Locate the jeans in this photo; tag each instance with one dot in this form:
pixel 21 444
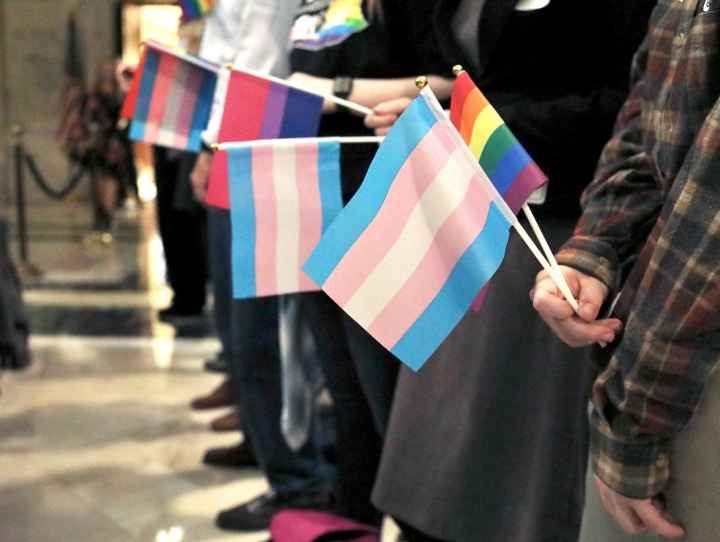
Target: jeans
pixel 256 369
pixel 341 349
pixel 251 327
pixel 219 243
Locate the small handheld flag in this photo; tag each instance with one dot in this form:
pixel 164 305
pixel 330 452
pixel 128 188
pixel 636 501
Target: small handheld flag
pixel 515 175
pixel 423 234
pixel 171 98
pixel 284 194
pixel 258 108
pixel 195 9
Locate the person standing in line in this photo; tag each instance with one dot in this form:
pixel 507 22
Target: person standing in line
pixel 488 441
pixel 369 67
pixel 254 34
pixel 650 231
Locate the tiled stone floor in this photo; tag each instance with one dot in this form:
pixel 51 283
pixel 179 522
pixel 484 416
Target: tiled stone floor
pixel 97 443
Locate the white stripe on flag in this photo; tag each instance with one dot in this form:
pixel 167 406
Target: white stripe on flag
pixel 287 257
pixel 438 203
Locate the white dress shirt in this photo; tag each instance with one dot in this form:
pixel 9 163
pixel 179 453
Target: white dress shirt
pixel 246 33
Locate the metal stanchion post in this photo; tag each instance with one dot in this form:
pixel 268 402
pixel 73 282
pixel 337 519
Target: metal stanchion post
pixel 26 268
pixel 17 133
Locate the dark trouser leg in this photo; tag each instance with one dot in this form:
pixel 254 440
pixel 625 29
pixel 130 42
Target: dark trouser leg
pixel 183 235
pixel 218 224
pixel 358 442
pixel 255 367
pixel 377 371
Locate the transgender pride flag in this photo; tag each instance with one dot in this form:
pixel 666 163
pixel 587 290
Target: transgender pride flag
pixel 284 194
pixel 423 234
pixel 259 108
pixel 170 103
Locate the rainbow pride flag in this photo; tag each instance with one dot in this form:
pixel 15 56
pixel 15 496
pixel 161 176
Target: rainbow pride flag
pixel 284 194
pixel 509 166
pixel 339 21
pixel 173 98
pixel 257 108
pixel 420 238
pixel 195 9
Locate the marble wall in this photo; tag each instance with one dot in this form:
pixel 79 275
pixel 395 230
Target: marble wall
pixel 32 36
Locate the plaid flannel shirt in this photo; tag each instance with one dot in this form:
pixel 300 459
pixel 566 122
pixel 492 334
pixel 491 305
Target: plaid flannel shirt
pixel 651 227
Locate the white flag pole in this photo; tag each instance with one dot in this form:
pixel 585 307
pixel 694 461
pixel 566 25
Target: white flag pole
pixel 347 104
pixel 288 141
pixel 564 286
pixel 500 202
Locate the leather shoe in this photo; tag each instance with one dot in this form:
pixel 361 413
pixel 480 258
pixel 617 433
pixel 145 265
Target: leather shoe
pixel 221 396
pixel 255 515
pixel 239 456
pixel 227 422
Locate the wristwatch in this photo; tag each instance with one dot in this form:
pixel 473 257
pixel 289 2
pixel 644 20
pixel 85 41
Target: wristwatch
pixel 342 87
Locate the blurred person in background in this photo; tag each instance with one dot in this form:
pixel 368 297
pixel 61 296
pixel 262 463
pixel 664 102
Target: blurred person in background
pixel 103 149
pixel 252 34
pixel 371 66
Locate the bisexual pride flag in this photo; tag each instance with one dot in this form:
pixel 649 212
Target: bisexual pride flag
pixel 195 9
pixel 284 194
pixel 171 97
pixel 423 234
pixel 259 108
pixel 506 162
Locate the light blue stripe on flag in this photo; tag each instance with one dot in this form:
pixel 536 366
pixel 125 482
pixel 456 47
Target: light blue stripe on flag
pixel 509 167
pixel 408 131
pixel 144 99
pixel 471 273
pixel 242 216
pixel 329 181
pixel 203 107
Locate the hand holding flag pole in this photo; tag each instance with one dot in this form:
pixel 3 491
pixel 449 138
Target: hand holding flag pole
pixel 493 145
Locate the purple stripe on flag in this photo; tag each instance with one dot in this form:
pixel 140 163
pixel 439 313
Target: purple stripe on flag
pixel 528 180
pixel 274 111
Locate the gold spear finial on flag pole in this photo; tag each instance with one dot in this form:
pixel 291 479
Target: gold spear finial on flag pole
pixel 122 124
pixel 421 82
pixel 457 69
pixel 229 66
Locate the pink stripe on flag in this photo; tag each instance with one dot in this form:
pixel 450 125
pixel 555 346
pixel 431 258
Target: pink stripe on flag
pixel 480 299
pixel 189 102
pixel 306 169
pixel 161 91
pixel 265 220
pixel 451 242
pixel 416 174
pixel 218 191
